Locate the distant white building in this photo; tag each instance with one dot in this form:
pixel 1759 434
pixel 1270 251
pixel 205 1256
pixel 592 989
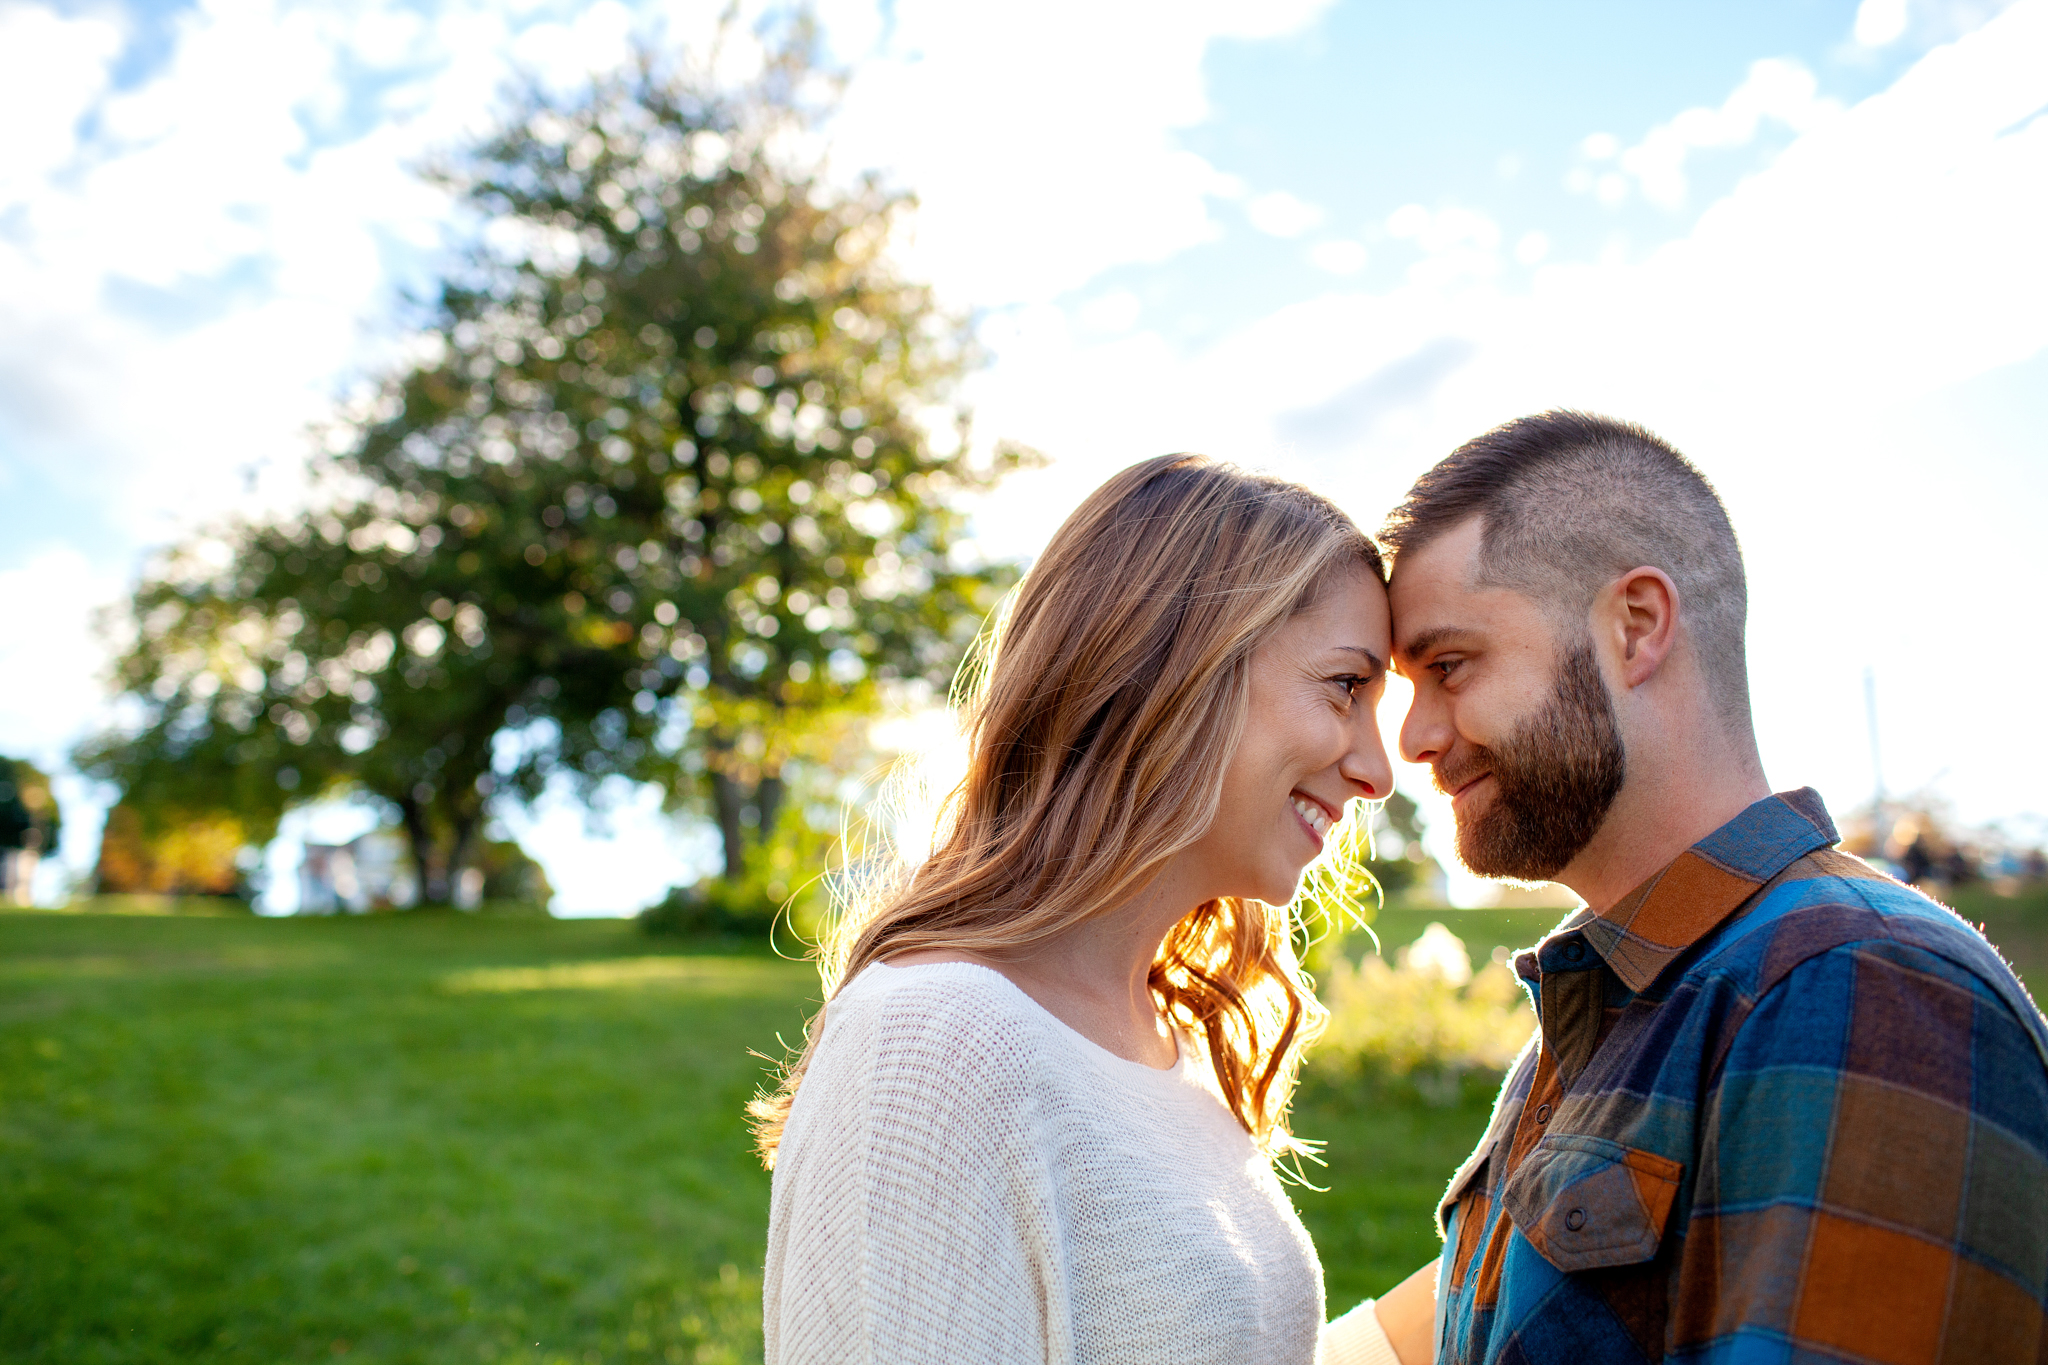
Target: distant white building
pixel 357 876
pixel 17 875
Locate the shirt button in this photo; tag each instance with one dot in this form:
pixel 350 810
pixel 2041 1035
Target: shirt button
pixel 1574 950
pixel 1542 1113
pixel 1575 1220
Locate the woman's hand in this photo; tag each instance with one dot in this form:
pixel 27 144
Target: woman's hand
pixel 1407 1314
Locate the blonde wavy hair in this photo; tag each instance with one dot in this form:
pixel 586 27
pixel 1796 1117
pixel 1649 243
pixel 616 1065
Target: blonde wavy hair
pixel 1101 708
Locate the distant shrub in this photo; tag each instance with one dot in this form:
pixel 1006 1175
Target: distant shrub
pixel 781 892
pixel 513 908
pixel 1429 1019
pixel 149 903
pixel 712 908
pixel 507 874
pixel 167 852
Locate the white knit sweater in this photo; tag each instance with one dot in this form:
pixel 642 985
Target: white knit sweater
pixel 965 1178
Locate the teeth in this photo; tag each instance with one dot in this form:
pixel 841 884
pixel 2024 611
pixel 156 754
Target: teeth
pixel 1312 813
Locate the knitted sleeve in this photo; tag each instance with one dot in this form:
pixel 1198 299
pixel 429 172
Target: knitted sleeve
pixel 915 1211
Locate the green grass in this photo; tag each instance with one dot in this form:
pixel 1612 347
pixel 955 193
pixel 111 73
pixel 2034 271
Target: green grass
pixel 399 1139
pixel 442 1138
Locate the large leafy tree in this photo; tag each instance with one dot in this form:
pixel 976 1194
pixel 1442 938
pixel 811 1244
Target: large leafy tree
pixel 672 491
pixel 29 815
pixel 30 822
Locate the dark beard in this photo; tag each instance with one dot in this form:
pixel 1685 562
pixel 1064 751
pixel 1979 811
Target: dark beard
pixel 1554 779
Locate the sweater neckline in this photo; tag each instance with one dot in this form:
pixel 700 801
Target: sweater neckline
pixel 1180 1046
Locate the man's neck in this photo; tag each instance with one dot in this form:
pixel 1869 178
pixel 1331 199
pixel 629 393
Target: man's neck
pixel 1663 810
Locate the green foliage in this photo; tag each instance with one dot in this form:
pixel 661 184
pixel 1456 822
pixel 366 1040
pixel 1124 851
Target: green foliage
pixel 1405 1021
pixel 1417 1015
pixel 1398 861
pixel 713 908
pixel 29 815
pixel 510 876
pixel 661 498
pixel 146 850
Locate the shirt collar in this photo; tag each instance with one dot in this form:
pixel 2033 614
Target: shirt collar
pixel 1702 886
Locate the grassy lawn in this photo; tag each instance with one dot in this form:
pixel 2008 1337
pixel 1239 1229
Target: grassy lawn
pixel 392 1139
pixel 463 1139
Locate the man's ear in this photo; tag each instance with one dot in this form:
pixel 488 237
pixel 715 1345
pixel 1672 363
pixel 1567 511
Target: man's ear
pixel 1638 617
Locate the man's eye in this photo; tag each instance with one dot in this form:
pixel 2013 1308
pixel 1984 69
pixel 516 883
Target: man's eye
pixel 1444 667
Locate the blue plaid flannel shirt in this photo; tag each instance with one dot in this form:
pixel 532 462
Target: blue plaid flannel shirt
pixel 1779 1108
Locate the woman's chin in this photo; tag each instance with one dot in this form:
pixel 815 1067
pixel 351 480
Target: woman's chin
pixel 1282 893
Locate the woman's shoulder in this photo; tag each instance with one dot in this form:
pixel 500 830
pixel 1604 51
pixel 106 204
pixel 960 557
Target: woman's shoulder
pixel 978 1028
pixel 953 1004
pixel 951 1043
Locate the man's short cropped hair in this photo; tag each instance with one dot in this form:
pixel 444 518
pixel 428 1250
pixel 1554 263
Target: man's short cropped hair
pixel 1570 501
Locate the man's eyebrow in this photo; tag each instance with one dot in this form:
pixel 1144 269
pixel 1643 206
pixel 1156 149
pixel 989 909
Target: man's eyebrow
pixel 1424 641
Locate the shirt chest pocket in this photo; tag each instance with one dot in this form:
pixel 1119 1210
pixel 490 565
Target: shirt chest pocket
pixel 1588 1202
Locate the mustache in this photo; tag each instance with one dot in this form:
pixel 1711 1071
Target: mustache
pixel 1460 768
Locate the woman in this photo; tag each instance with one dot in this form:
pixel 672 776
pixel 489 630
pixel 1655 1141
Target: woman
pixel 1036 1119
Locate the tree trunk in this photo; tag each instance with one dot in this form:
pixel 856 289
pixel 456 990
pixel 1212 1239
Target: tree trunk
pixel 728 800
pixel 464 850
pixel 433 889
pixel 768 801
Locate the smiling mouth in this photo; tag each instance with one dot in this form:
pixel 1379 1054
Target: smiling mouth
pixel 1313 815
pixel 1465 789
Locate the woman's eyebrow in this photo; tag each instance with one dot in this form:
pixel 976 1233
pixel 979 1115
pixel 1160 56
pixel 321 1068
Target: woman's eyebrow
pixel 1379 665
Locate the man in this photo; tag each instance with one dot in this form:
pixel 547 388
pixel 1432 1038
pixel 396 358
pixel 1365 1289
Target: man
pixel 1779 1107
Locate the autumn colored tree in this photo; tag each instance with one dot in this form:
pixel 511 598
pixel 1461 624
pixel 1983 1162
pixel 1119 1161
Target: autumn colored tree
pixel 160 852
pixel 672 490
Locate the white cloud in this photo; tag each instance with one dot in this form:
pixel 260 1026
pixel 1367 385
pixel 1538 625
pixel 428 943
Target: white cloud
pixel 1879 23
pixel 1599 146
pixel 1043 141
pixel 1532 247
pixel 1775 90
pixel 1338 257
pixel 1458 244
pixel 52 69
pixel 1283 215
pixel 49 654
pixel 1116 311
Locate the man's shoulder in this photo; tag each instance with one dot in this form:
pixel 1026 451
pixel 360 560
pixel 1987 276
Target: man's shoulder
pixel 1828 902
pixel 1829 910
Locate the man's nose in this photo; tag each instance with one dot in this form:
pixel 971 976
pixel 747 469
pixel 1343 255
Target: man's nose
pixel 1425 730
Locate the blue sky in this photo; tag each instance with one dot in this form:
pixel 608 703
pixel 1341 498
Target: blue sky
pixel 1333 239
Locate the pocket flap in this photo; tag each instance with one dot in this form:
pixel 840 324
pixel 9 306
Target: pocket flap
pixel 1586 1202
